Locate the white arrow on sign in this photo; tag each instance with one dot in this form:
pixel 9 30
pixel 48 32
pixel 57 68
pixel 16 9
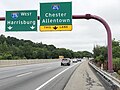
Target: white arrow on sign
pixel 9 27
pixel 32 27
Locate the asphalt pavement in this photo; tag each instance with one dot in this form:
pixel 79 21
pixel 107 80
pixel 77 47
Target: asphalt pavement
pixel 50 76
pixel 44 76
pixel 84 79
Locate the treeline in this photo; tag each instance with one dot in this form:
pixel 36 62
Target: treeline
pixel 100 54
pixel 13 48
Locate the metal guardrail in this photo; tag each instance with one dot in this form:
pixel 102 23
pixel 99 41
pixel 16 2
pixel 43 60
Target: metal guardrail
pixel 107 76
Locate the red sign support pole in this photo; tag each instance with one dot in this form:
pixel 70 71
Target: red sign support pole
pixel 2 18
pixel 109 35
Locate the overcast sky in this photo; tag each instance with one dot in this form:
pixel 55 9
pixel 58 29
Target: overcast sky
pixel 85 33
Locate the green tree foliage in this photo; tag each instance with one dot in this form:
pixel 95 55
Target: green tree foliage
pixel 7 56
pixel 100 54
pixel 116 64
pixel 116 55
pixel 13 48
pixel 2 39
pixel 116 49
pixel 81 54
pixel 87 54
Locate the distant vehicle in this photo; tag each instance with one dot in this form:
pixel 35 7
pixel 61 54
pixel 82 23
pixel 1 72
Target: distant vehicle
pixel 74 60
pixel 65 61
pixel 61 57
pixel 79 59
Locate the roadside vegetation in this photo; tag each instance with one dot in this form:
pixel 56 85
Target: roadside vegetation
pixel 13 48
pixel 100 55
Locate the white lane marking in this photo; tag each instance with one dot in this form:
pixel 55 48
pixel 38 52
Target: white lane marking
pixel 32 72
pixel 23 74
pixel 42 68
pixel 53 77
pixel 48 67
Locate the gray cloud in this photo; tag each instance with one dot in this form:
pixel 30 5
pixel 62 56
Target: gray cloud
pixel 85 33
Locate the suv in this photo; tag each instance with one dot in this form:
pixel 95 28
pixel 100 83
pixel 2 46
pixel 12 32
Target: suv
pixel 65 61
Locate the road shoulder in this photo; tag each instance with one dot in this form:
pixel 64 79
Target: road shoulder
pixel 84 79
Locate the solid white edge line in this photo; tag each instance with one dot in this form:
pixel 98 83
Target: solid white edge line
pixel 54 77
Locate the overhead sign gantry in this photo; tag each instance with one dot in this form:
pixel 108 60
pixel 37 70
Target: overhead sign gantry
pixel 52 20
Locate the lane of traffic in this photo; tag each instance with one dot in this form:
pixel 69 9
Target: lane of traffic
pixel 59 81
pixel 30 80
pixel 17 70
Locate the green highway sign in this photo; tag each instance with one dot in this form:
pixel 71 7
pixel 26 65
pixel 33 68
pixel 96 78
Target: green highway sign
pixel 56 16
pixel 24 20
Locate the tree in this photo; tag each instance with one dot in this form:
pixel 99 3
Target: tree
pixel 13 48
pixel 116 49
pixel 7 56
pixel 115 43
pixel 96 51
pixel 100 54
pixel 86 54
pixel 2 39
pixel 77 55
pixel 40 53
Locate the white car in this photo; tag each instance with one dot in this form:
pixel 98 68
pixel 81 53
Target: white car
pixel 65 61
pixel 74 61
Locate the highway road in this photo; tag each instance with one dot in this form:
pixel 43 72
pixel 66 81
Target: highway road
pixel 44 76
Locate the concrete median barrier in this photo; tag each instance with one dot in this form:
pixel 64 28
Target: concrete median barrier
pixel 5 63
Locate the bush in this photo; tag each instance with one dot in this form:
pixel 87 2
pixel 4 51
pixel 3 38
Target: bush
pixel 116 64
pixel 100 58
pixel 1 57
pixel 7 56
pixel 118 72
pixel 16 57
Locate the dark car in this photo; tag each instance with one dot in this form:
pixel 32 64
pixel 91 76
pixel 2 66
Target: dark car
pixel 79 59
pixel 65 61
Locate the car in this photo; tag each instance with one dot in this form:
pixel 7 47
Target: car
pixel 74 60
pixel 65 61
pixel 79 59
